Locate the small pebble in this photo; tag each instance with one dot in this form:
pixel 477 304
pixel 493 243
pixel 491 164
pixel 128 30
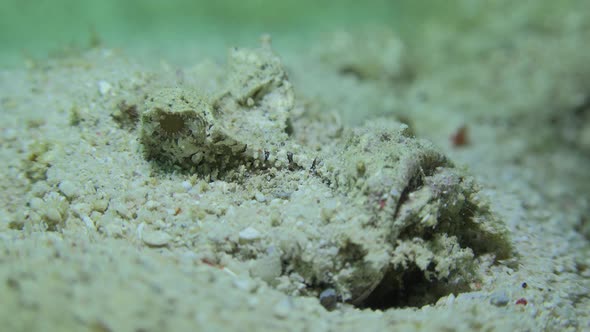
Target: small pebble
pixel 249 234
pixel 187 185
pixel 259 197
pixel 36 203
pixel 53 215
pixel 100 205
pixel 68 189
pixel 104 87
pixel 283 308
pixel 329 299
pixel 450 299
pixel 329 210
pixel 155 238
pixel 499 299
pixel 244 284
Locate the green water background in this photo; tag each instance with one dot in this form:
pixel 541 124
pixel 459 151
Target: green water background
pixel 185 30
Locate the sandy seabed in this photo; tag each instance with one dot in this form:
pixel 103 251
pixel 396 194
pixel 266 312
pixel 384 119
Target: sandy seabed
pixel 96 234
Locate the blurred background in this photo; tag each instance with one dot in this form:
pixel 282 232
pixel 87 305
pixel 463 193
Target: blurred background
pixel 182 30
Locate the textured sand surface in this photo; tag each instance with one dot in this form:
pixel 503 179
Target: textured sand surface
pixel 279 219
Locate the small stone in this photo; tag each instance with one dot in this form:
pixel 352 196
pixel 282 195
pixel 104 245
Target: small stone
pixel 68 189
pixel 244 284
pixel 450 299
pixel 36 203
pixel 151 204
pixel 361 168
pixel 100 205
pixel 283 308
pixel 53 215
pixel 267 267
pixel 187 185
pixel 259 197
pixel 499 298
pixel 329 299
pixel 329 210
pixel 104 87
pixel 249 234
pixel 155 238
